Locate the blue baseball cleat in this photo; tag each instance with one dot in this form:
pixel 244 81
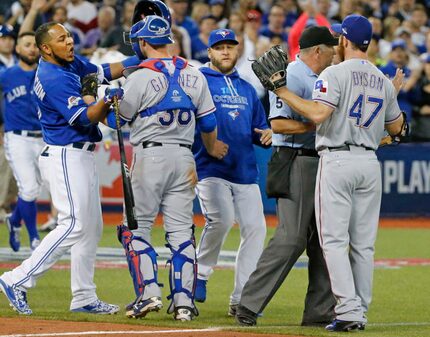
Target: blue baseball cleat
pixel 17 298
pixel 344 326
pixel 14 235
pixel 142 307
pixel 200 293
pixel 98 307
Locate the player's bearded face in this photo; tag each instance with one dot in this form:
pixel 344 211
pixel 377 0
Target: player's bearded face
pixel 224 56
pixel 27 50
pixel 61 45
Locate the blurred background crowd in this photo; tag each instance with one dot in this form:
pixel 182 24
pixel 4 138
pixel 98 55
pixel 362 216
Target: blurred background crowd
pixel 401 34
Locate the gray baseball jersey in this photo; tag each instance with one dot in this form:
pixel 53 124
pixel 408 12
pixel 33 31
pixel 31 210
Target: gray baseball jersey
pixel 364 100
pixel 144 88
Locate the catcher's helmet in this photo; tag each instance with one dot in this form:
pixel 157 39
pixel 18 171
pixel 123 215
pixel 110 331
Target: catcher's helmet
pixel 6 30
pixel 153 29
pixel 151 7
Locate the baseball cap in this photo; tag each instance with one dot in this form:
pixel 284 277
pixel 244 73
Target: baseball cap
pixel 398 43
pixel 153 29
pixel 221 35
pixel 6 30
pixel 313 36
pixel 356 28
pixel 216 2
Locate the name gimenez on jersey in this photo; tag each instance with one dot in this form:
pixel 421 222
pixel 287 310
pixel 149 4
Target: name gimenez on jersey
pixel 185 80
pixel 361 78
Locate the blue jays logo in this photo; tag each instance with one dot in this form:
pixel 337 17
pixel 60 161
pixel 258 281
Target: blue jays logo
pixel 321 86
pixel 224 33
pixel 233 114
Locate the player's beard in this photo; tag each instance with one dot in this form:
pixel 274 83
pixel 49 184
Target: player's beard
pixel 30 61
pixel 225 69
pixel 60 60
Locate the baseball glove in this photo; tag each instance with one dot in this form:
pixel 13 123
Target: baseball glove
pixel 89 85
pixel 271 68
pixel 404 132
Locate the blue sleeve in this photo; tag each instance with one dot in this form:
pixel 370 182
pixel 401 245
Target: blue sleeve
pixel 83 66
pixel 207 123
pixel 65 96
pixel 111 120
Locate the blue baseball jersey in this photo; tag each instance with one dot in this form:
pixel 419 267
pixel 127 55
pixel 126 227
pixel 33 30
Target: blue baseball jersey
pixel 238 112
pixel 20 106
pixel 58 91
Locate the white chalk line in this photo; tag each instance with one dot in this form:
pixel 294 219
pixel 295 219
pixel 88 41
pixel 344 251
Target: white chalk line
pixel 128 332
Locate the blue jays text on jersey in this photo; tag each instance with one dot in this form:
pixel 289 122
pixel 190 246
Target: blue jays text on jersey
pixel 20 107
pixel 238 112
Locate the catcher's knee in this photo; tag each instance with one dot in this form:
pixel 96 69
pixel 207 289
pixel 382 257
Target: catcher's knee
pixel 183 271
pixel 141 259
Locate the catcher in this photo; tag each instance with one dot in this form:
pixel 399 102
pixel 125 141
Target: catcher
pixel 352 104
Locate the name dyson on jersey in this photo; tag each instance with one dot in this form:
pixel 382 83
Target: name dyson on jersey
pixel 361 78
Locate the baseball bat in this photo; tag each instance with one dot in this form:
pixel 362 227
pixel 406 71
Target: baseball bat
pixel 125 172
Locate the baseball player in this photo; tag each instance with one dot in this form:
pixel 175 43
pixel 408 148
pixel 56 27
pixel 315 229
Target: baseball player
pixel 227 189
pixel 294 146
pixel 69 128
pixel 164 98
pixel 23 138
pixel 352 103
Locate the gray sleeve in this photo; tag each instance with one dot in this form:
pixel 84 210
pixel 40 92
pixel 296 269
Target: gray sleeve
pixel 393 111
pixel 133 95
pixel 327 88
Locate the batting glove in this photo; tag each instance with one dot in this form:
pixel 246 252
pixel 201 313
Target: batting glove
pixel 112 93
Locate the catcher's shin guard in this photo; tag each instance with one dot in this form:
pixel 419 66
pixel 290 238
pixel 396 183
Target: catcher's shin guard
pixel 141 259
pixel 183 265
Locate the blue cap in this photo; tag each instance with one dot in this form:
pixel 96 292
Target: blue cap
pixel 153 29
pixel 6 30
pixel 398 43
pixel 356 28
pixel 216 2
pixel 222 35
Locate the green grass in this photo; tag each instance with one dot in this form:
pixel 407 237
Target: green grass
pixel 400 295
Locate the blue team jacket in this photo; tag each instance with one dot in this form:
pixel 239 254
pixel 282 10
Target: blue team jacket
pixel 238 112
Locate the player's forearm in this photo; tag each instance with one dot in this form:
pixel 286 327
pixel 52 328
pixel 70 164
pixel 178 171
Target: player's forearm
pixel 395 127
pixel 117 68
pixel 209 139
pixel 290 126
pixel 28 23
pixel 97 112
pixel 309 109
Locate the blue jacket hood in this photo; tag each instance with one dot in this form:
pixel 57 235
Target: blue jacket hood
pixel 205 69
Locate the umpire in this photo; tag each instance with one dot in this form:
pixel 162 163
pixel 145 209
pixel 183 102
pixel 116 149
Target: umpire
pixel 292 174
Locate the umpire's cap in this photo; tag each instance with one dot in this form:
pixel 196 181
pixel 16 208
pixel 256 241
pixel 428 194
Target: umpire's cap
pixel 356 28
pixel 6 30
pixel 153 29
pixel 151 7
pixel 316 35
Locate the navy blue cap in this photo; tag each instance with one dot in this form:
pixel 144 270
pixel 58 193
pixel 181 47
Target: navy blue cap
pixel 356 28
pixel 398 43
pixel 222 35
pixel 6 30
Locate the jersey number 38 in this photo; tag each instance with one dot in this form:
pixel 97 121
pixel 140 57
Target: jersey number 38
pixel 183 117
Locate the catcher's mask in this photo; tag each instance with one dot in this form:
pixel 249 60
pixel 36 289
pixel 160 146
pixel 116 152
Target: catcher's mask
pixel 153 29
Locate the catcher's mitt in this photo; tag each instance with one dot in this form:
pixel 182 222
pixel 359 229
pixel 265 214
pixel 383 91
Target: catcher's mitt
pixel 89 85
pixel 271 68
pixel 404 132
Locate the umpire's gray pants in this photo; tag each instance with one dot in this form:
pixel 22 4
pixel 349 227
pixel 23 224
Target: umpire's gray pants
pixel 296 232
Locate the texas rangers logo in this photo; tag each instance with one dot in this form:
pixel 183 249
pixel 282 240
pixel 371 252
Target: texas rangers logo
pixel 233 114
pixel 321 86
pixel 72 101
pixel 176 97
pixel 223 33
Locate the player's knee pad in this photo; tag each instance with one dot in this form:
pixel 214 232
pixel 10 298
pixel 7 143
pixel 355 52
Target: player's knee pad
pixel 141 259
pixel 183 271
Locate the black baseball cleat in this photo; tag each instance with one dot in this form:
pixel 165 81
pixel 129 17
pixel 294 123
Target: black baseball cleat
pixel 245 317
pixel 344 326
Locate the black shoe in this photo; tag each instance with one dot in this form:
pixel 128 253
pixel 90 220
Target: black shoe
pixel 345 326
pixel 245 317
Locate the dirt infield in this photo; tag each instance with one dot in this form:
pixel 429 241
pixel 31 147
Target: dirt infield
pixel 115 219
pixel 24 326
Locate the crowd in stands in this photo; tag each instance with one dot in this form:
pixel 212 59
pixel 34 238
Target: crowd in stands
pixel 401 34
